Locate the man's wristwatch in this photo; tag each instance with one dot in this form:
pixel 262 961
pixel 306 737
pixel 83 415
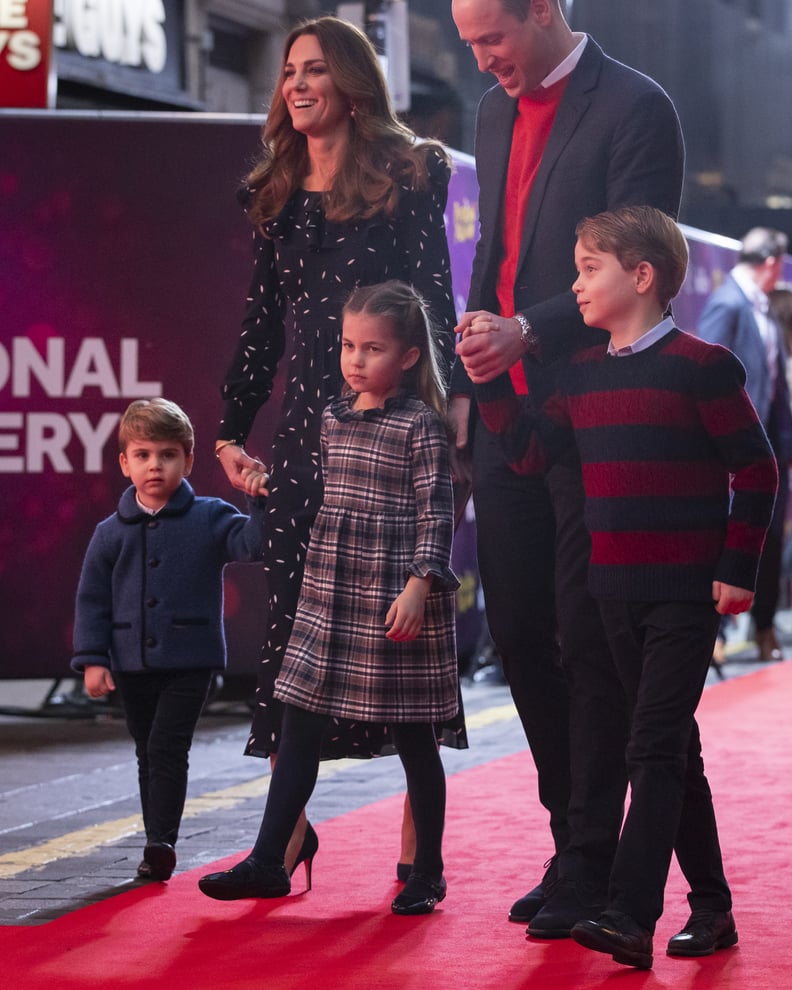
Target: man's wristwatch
pixel 527 335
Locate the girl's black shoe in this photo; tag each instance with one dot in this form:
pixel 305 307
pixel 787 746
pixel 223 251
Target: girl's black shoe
pixel 403 871
pixel 246 879
pixel 420 895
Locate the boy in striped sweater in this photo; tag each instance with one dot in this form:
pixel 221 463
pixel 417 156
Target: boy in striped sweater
pixel 680 482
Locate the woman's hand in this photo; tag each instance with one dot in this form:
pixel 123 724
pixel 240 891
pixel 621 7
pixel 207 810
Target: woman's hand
pixel 246 473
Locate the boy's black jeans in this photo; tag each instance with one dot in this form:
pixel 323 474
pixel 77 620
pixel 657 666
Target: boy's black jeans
pixel 162 709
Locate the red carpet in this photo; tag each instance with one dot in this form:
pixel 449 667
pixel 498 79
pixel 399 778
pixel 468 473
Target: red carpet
pixel 342 935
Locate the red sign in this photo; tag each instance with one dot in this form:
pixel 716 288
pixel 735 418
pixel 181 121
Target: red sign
pixel 25 53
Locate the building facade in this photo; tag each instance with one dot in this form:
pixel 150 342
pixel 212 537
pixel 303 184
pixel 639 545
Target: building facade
pixel 725 64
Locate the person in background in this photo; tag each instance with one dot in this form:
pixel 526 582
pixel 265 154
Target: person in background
pixel 342 195
pixel 149 611
pixel 680 481
pixel 737 314
pixel 374 636
pixel 566 133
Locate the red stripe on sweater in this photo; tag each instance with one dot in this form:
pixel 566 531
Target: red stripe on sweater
pixel 609 479
pixel 641 547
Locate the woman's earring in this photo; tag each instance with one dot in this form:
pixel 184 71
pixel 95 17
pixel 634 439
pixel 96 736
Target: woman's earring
pixel 352 109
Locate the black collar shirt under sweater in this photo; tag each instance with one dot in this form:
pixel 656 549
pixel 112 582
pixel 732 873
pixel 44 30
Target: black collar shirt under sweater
pixel 679 477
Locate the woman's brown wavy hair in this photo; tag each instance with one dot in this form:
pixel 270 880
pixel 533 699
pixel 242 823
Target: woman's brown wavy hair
pixel 382 153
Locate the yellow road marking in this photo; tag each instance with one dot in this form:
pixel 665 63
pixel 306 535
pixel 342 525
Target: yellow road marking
pixel 84 840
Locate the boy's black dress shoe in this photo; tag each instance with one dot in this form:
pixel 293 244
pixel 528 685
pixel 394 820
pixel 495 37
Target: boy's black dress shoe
pixel 704 932
pixel 569 901
pixel 160 860
pixel 619 935
pixel 524 909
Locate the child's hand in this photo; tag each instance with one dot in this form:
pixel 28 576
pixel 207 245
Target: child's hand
pixel 244 472
pixel 730 600
pixel 98 681
pixel 255 478
pixel 405 616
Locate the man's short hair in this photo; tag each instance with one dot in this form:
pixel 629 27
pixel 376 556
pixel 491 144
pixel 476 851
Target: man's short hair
pixel 761 243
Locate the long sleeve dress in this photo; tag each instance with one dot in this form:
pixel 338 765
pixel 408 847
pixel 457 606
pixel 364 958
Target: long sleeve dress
pixel 387 514
pixel 305 268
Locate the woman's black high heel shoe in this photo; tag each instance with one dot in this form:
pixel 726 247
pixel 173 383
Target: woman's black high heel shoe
pixel 306 854
pixel 420 895
pixel 246 879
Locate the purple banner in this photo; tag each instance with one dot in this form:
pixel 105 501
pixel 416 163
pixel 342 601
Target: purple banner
pixel 124 263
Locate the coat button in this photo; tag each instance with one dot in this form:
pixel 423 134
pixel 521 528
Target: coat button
pixel 151 642
pixel 151 602
pixel 153 523
pixel 153 562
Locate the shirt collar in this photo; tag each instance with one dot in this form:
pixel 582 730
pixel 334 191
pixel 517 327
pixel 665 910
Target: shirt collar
pixel 564 68
pixel 644 341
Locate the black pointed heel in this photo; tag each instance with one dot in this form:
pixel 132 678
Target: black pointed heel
pixel 420 895
pixel 246 879
pixel 306 854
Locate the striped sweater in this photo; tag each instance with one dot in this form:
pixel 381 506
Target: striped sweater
pixel 679 477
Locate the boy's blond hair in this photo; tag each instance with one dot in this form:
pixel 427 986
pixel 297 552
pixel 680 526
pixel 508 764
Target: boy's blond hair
pixel 155 419
pixel 641 233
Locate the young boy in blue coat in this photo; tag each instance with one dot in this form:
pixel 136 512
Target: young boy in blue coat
pixel 149 611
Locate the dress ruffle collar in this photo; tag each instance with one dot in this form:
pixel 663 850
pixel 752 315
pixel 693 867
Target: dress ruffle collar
pixel 342 407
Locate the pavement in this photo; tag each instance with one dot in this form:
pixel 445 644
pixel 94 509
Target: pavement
pixel 70 827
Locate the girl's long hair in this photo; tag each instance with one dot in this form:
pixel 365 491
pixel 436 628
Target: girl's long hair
pixel 410 323
pixel 381 155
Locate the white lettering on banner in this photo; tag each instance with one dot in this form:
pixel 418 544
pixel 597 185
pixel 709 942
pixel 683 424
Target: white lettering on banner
pixel 92 368
pixel 20 47
pixel 44 437
pixel 30 441
pixel 125 32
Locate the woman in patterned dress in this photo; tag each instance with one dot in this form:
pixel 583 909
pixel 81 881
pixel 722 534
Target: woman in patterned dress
pixel 342 195
pixel 374 634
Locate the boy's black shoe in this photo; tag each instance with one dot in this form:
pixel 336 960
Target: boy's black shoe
pixel 160 857
pixel 619 935
pixel 704 932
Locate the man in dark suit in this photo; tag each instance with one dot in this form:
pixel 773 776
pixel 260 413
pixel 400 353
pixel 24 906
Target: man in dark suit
pixel 567 133
pixel 737 315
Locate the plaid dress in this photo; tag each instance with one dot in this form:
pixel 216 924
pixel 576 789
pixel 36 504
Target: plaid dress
pixel 387 513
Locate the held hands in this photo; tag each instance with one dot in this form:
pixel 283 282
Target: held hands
pixel 730 600
pixel 244 472
pixel 98 681
pixel 490 345
pixel 405 616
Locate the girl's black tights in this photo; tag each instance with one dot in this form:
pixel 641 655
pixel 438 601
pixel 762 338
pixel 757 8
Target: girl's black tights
pixel 297 767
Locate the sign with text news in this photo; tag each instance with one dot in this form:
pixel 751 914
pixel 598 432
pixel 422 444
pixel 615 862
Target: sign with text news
pixel 26 76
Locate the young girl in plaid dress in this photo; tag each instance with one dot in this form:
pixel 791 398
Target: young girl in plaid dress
pixel 374 635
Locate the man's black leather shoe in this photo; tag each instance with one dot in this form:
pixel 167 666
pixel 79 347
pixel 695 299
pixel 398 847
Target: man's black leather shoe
pixel 619 935
pixel 524 909
pixel 160 857
pixel 704 932
pixel 568 903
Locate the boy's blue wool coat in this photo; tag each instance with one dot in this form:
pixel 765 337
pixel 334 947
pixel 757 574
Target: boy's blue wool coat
pixel 150 595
